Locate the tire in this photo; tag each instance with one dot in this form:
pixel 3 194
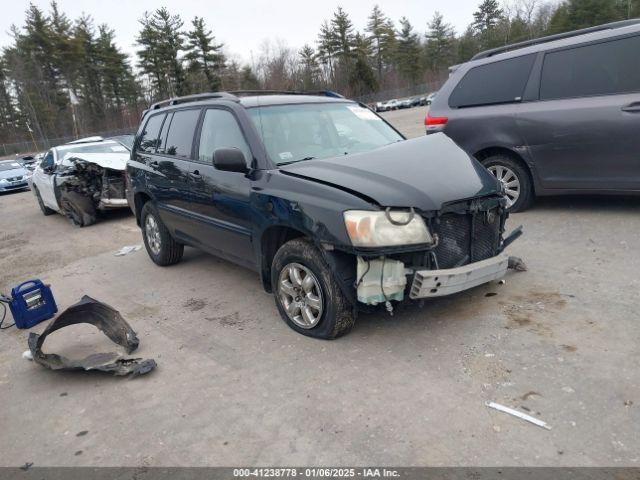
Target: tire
pixel 160 245
pixel 510 170
pixel 336 315
pixel 46 211
pixel 78 208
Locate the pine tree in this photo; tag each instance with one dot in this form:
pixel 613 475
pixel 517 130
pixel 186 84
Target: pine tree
pixel 310 70
pixel 408 52
pixel 363 79
pixel 382 35
pixel 205 57
pixel 162 42
pixel 485 23
pixel 439 49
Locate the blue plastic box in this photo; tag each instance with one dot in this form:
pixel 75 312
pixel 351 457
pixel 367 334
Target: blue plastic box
pixel 31 303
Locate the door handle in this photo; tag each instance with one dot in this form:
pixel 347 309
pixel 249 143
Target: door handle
pixel 196 173
pixel 632 108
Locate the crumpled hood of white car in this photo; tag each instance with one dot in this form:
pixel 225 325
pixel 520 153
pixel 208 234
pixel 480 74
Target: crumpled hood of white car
pixel 111 160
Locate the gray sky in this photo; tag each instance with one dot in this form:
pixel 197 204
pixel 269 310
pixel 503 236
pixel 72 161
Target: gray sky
pixel 243 25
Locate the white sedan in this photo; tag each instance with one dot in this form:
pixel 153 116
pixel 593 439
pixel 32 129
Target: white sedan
pixel 80 178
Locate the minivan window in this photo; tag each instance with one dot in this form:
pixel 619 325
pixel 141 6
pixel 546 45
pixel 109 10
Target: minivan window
pixel 181 132
pixel 220 130
pixel 600 69
pixel 493 83
pixel 149 136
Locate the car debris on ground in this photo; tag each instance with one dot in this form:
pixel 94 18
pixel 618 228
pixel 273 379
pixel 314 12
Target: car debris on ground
pixel 106 319
pixel 127 249
pixel 516 413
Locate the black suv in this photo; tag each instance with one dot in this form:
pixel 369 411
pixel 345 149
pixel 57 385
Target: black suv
pixel 555 115
pixel 327 201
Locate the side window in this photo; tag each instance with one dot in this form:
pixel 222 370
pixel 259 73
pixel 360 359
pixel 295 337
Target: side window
pixel 600 69
pixel 181 132
pixel 493 83
pixel 219 130
pixel 47 161
pixel 149 137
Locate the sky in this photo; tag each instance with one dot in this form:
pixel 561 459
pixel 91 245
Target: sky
pixel 243 25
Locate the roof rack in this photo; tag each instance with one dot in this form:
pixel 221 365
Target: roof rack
pixel 192 98
pixel 323 93
pixel 558 36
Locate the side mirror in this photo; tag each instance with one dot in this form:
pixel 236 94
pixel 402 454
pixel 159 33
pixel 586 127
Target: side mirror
pixel 230 160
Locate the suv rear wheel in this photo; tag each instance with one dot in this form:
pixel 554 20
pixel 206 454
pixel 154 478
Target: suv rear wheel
pixel 160 245
pixel 516 181
pixel 308 298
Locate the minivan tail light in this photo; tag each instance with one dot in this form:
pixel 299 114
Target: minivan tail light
pixel 430 121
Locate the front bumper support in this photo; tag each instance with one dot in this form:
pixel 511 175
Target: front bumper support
pixel 437 283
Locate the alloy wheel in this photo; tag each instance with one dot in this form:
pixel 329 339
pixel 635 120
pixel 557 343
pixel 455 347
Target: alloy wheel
pixel 301 295
pixel 509 180
pixel 152 231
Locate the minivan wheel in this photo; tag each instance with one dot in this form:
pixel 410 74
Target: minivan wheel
pixel 160 245
pixel 46 211
pixel 308 297
pixel 515 179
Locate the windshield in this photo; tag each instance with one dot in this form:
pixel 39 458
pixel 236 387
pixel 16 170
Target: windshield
pixel 292 133
pixel 4 166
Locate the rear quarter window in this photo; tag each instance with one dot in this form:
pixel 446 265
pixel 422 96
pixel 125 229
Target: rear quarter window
pixel 498 82
pixel 600 69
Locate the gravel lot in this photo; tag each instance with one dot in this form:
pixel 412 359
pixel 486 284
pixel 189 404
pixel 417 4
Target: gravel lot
pixel 236 386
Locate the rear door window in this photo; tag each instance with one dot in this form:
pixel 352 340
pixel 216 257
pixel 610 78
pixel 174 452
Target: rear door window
pixel 220 130
pixel 181 132
pixel 149 138
pixel 600 69
pixel 493 83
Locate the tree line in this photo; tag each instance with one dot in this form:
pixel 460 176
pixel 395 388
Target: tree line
pixel 62 76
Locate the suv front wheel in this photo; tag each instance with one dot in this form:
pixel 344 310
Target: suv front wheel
pixel 308 297
pixel 515 179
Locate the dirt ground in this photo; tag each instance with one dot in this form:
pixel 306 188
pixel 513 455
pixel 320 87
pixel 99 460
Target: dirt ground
pixel 235 386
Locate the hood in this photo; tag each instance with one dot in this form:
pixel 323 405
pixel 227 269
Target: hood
pixel 423 173
pixel 18 171
pixel 111 160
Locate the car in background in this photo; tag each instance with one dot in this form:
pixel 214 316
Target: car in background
pixel 405 103
pixel 555 115
pixel 380 107
pixel 28 162
pixel 81 178
pixel 393 104
pixel 429 98
pixel 415 101
pixel 328 202
pixel 13 176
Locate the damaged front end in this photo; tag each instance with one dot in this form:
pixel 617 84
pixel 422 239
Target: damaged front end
pixel 83 188
pixel 466 250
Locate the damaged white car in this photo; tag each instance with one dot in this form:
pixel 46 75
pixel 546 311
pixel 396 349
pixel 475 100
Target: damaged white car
pixel 80 179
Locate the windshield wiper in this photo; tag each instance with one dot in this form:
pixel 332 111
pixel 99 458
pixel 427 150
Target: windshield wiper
pixel 296 161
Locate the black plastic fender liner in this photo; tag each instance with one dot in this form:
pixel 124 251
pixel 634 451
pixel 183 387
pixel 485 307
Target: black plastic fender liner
pixel 111 323
pixel 78 208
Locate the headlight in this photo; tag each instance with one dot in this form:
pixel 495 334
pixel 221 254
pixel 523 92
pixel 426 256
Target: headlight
pixel 385 229
pixel 4 180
